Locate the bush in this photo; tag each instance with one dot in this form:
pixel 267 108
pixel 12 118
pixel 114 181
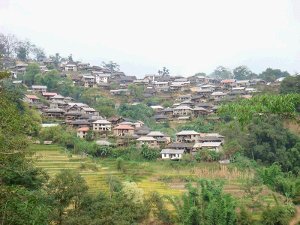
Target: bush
pixel 88 166
pixel 188 159
pixel 206 155
pixel 120 164
pixel 150 154
pixel 98 150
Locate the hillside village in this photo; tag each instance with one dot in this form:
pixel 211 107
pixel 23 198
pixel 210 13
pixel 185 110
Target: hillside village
pixel 192 97
pixel 126 148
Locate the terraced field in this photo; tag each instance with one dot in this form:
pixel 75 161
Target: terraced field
pixel 53 158
pixel 150 176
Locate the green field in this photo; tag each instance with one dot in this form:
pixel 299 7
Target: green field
pixel 158 176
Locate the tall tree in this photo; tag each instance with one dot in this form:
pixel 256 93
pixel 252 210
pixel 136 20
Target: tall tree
pixel 8 44
pixel 270 75
pixel 205 204
pixel 39 54
pixel 164 72
pixel 70 58
pixel 222 72
pixel 200 74
pixel 290 84
pixel 112 66
pixel 66 188
pixel 243 73
pixel 31 71
pixel 51 79
pixel 24 49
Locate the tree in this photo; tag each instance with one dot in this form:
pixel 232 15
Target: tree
pixel 112 66
pixel 105 106
pixel 278 214
pixel 205 204
pixel 270 75
pixel 22 54
pixel 131 191
pixel 137 91
pixel 70 58
pixel 290 84
pixel 21 206
pixel 66 188
pixel 200 75
pixel 148 153
pixel 243 73
pixel 136 112
pixel 222 72
pixel 51 79
pixel 39 54
pixel 8 44
pixel 66 88
pixel 20 180
pixel 262 106
pixel 198 125
pixel 31 71
pixel 164 72
pixel 24 49
pixel 56 59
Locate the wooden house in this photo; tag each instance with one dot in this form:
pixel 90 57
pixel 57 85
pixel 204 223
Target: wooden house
pixel 123 130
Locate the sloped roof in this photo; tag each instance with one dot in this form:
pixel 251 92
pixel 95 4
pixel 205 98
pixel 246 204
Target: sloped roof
pixel 211 144
pixel 80 122
pixel 146 138
pixel 57 97
pixel 83 129
pixel 210 138
pixel 102 122
pixel 55 110
pixel 179 145
pixel 123 127
pixel 187 132
pixel 183 107
pixel 32 96
pixel 199 109
pixel 49 94
pixel 156 133
pixel 228 81
pixel 172 151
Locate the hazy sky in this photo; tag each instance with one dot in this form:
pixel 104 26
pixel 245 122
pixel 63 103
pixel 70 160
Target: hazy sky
pixel 143 36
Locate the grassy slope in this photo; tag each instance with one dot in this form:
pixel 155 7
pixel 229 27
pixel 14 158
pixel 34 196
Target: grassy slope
pixel 148 175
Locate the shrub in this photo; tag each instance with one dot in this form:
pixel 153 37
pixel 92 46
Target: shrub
pixel 188 159
pixel 120 164
pixel 150 153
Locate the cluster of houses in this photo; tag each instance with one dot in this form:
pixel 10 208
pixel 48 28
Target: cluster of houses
pixel 193 96
pixel 84 119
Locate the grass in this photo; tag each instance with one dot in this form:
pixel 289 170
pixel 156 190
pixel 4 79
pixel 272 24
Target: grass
pixel 167 178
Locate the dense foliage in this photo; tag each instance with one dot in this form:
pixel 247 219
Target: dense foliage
pixel 205 204
pixel 262 106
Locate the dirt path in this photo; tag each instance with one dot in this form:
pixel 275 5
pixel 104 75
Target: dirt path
pixel 296 218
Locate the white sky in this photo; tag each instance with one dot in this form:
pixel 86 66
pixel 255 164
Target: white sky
pixel 143 36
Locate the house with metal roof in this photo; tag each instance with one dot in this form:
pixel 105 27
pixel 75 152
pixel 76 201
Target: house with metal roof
pixel 173 154
pixel 187 136
pixel 101 125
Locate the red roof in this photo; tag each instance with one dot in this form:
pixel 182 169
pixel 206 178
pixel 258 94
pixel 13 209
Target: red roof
pixel 123 127
pixel 32 97
pixel 83 129
pixel 49 94
pixel 228 81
